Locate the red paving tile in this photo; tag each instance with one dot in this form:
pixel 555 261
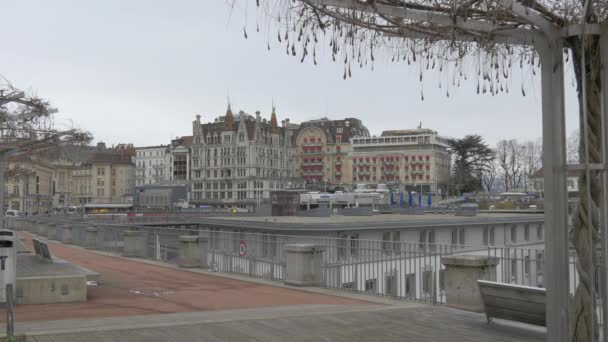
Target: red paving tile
pixel 134 288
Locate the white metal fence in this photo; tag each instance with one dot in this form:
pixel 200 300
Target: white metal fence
pixel 393 268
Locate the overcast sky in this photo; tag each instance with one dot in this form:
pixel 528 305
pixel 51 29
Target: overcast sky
pixel 139 71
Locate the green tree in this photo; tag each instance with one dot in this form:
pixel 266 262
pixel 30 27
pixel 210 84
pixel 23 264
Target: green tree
pixel 472 157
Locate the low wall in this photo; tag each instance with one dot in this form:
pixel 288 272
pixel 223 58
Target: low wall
pixel 51 289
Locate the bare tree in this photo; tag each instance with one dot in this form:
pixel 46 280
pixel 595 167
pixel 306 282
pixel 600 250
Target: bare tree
pixel 574 147
pixel 532 160
pixel 489 175
pixel 27 127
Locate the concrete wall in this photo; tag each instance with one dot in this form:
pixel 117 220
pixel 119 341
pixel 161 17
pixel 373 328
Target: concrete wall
pixel 44 290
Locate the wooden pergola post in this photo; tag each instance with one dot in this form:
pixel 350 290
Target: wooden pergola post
pixel 556 193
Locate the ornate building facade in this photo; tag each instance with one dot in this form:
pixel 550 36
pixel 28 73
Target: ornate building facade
pixel 321 149
pixel 237 160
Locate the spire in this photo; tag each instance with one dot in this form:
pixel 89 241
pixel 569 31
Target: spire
pixel 229 121
pixel 273 120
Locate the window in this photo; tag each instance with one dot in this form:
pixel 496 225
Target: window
pixel 427 282
pixel 539 268
pixel 539 231
pixel 410 285
pixel 341 244
pixel 461 237
pixel 513 233
pixel 386 242
pixel 390 284
pixel 370 285
pixel 486 237
pixel 458 238
pixel 354 245
pixel 423 240
pixel 396 241
pixel 514 270
pixel 527 232
pixel 269 246
pixel 527 265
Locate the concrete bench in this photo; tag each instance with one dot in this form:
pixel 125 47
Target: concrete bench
pixel 518 303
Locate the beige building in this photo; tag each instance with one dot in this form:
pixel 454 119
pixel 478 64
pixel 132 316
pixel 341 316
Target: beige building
pixel 321 149
pixel 415 159
pixel 28 186
pixel 108 177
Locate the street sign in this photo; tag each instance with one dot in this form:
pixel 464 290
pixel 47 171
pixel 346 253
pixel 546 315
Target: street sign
pixel 242 248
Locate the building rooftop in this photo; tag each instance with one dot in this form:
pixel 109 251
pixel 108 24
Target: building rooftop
pixel 385 221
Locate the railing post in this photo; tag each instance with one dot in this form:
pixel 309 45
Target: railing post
pixel 192 251
pixel 462 273
pixel 302 265
pixel 135 244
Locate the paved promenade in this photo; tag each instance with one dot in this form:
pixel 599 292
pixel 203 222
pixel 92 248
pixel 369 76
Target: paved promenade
pixel 134 288
pixel 139 301
pixel 297 324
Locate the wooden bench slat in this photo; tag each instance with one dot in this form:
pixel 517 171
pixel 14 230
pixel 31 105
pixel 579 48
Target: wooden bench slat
pixel 515 305
pixel 514 302
pixel 518 316
pixel 515 293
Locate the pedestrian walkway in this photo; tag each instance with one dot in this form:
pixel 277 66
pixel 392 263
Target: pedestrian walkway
pixel 422 323
pixel 134 288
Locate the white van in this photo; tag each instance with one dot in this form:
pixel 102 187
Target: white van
pixel 12 213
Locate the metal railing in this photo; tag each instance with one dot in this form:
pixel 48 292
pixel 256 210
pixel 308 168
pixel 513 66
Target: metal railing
pixel 391 268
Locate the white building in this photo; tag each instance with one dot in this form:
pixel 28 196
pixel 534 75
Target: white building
pixel 151 165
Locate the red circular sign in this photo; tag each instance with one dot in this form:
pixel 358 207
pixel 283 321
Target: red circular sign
pixel 242 248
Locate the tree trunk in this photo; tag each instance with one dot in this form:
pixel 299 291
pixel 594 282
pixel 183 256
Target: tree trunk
pixel 586 227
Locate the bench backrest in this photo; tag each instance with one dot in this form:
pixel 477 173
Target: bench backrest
pixel 42 250
pixel 514 302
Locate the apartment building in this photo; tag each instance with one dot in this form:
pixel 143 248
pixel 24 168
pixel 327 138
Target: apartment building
pixel 417 159
pixel 321 149
pixel 151 165
pixel 107 177
pixel 236 160
pixel 29 186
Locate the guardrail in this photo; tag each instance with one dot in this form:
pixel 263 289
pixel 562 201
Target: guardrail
pixel 396 269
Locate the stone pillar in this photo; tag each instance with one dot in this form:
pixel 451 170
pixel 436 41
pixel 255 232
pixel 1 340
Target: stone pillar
pixel 50 230
pixel 41 228
pixel 67 236
pixel 303 265
pixel 192 251
pixel 135 244
pixel 58 232
pixel 31 226
pixel 461 275
pixel 90 238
